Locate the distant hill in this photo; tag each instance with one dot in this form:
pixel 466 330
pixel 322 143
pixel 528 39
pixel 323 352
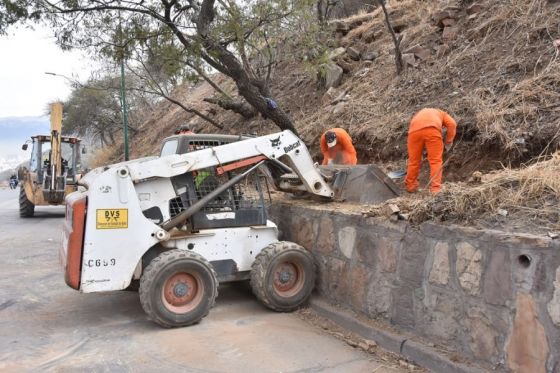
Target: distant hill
pixel 14 131
pixel 20 128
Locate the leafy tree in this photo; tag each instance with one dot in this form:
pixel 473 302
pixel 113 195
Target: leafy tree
pixel 227 36
pixel 94 111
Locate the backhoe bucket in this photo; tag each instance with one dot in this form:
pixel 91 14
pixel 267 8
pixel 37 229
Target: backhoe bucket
pixel 365 184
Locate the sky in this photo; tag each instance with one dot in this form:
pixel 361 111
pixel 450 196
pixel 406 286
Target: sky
pixel 25 89
pixel 25 56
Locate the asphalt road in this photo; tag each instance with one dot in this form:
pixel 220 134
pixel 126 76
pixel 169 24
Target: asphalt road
pixel 46 326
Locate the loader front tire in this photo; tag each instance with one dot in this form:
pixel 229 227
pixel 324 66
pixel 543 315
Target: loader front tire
pixel 283 276
pixel 26 207
pixel 178 288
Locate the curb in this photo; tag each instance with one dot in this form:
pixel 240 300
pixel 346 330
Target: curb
pixel 422 355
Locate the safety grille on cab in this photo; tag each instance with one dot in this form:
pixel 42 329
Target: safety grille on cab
pixel 175 206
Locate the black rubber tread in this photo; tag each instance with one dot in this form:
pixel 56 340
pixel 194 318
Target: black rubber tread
pixel 154 309
pixel 260 276
pixel 26 207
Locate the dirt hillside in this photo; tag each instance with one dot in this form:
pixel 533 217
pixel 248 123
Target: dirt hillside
pixel 492 64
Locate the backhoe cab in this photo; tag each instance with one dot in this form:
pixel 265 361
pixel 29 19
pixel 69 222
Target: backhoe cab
pixel 53 170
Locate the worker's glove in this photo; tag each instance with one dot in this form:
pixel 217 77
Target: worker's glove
pixel 448 147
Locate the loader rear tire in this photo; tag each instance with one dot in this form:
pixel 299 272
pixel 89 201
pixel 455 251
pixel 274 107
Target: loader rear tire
pixel 26 207
pixel 178 288
pixel 283 276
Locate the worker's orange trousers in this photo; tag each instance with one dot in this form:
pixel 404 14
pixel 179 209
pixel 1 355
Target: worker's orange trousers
pixel 431 139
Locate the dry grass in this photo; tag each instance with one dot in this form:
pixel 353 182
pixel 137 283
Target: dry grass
pixel 529 195
pixel 106 155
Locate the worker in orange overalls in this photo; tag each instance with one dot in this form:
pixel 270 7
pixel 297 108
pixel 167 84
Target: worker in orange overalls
pixel 337 148
pixel 425 131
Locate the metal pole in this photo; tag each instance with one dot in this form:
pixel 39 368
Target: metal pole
pixel 124 111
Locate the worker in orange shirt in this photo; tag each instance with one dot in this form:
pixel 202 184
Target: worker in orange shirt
pixel 337 148
pixel 425 131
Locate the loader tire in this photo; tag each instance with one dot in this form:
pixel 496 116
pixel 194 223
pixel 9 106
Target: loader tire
pixel 178 288
pixel 283 276
pixel 26 207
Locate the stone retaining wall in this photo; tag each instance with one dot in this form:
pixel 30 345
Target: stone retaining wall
pixel 491 296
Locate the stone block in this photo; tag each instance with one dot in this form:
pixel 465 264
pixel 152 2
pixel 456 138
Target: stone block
pixel 345 65
pixel 448 22
pixel 497 280
pixel 441 321
pixel 450 33
pixel 412 258
pixel 335 53
pixel 439 274
pixel 469 267
pixel 359 279
pixel 474 8
pixel 332 75
pixel 553 306
pixel 419 51
pixel 402 307
pixel 387 254
pixel 346 241
pixel 441 15
pixel 353 53
pixel 409 59
pixel 370 55
pixel 527 348
pixel 326 239
pixel 365 247
pixel 482 336
pixel 378 297
pixel 338 280
pixel 304 232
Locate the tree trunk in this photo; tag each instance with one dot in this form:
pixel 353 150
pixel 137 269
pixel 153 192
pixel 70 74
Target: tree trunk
pixel 396 41
pixel 218 56
pixel 247 111
pixel 254 91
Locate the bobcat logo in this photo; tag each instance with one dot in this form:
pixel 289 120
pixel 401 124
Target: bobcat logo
pixel 275 142
pixel 289 148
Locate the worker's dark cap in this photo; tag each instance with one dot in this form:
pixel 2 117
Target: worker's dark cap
pixel 330 136
pixel 182 128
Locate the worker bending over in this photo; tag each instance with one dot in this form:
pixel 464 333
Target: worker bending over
pixel 337 148
pixel 425 131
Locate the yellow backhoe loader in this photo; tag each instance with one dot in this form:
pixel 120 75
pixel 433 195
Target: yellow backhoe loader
pixel 54 167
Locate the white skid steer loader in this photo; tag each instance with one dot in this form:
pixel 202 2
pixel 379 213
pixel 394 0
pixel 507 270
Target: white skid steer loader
pixel 181 223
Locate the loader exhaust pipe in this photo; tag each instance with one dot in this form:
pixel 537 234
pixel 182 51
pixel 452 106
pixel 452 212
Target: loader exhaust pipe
pixel 180 218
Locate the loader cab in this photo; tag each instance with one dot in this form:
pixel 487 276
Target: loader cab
pixel 242 205
pixel 181 144
pixel 40 162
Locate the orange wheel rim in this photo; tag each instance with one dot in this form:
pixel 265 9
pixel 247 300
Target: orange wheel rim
pixel 289 278
pixel 182 292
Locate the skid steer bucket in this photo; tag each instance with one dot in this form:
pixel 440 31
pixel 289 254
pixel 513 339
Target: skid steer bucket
pixel 365 184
